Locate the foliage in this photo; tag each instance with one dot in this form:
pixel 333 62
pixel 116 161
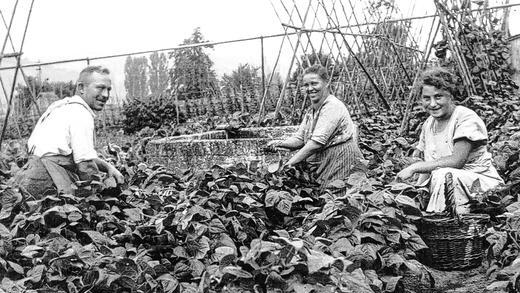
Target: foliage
pixel 153 112
pixel 241 229
pixel 244 78
pixel 238 230
pixel 504 251
pixel 244 83
pixel 158 73
pixel 31 92
pixel 32 98
pixel 192 73
pixel 136 78
pixel 486 51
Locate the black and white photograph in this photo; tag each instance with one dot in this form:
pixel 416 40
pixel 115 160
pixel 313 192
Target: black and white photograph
pixel 260 146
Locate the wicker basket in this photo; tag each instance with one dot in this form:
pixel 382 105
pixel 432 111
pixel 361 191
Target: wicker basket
pixel 455 241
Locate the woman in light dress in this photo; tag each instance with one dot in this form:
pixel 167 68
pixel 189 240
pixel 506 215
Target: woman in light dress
pixel 453 139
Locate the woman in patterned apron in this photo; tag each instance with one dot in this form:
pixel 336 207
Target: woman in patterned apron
pixel 327 136
pixel 453 139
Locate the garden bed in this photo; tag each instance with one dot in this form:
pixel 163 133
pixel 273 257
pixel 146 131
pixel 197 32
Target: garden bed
pixel 220 147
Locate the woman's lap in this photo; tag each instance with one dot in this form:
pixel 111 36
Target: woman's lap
pixel 464 183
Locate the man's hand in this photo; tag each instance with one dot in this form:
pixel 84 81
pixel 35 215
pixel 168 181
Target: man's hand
pixel 405 174
pixel 113 172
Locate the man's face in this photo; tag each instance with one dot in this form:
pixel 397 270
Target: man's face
pixel 96 90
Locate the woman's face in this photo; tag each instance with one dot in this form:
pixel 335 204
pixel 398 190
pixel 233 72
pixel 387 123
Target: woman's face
pixel 315 87
pixel 438 103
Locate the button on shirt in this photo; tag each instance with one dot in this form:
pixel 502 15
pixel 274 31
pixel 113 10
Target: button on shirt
pixel 66 128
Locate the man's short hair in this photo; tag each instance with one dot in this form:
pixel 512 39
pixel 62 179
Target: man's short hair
pixel 87 71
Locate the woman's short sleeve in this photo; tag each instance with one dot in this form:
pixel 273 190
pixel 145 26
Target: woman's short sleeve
pixel 330 118
pixel 470 126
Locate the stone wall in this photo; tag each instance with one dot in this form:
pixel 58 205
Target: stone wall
pixel 202 151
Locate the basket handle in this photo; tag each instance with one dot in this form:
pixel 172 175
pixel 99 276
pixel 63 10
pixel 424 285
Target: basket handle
pixel 449 197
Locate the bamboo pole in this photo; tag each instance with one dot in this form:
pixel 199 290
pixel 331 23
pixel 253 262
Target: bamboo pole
pixel 339 47
pixel 295 8
pixel 4 126
pixel 280 98
pixel 262 103
pixel 412 94
pixel 380 94
pixel 26 80
pixel 455 48
pixel 350 83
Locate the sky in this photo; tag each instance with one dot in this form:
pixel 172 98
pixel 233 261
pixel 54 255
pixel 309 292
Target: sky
pixel 70 29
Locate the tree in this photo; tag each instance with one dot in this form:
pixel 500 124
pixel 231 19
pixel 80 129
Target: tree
pixel 158 72
pixel 244 78
pixel 154 112
pixel 136 82
pixel 245 81
pixel 192 69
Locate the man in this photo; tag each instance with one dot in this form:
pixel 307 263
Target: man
pixel 61 146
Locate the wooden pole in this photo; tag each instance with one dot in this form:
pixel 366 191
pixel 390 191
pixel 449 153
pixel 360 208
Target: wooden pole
pixel 380 94
pixel 262 103
pixel 26 80
pixel 262 62
pixel 286 82
pixel 4 126
pixel 411 96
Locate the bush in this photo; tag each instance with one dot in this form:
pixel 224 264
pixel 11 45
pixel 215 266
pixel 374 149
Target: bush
pixel 153 112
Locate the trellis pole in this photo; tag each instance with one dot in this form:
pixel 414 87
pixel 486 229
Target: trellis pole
pixel 455 49
pixel 26 80
pixel 262 104
pixel 411 96
pixel 298 41
pixel 339 47
pixel 378 90
pixel 4 126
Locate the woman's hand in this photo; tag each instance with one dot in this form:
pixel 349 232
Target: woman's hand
pixel 274 143
pixel 405 174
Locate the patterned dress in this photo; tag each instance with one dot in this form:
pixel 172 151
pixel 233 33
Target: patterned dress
pixel 478 172
pixel 332 126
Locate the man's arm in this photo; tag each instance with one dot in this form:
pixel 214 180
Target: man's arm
pixel 88 168
pixel 110 170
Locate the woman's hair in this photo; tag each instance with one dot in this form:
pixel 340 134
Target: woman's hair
pixel 318 70
pixel 440 78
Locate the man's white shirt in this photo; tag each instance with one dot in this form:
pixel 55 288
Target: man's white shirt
pixel 66 127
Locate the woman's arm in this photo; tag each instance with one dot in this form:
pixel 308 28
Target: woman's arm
pixel 292 143
pixel 310 148
pixel 461 150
